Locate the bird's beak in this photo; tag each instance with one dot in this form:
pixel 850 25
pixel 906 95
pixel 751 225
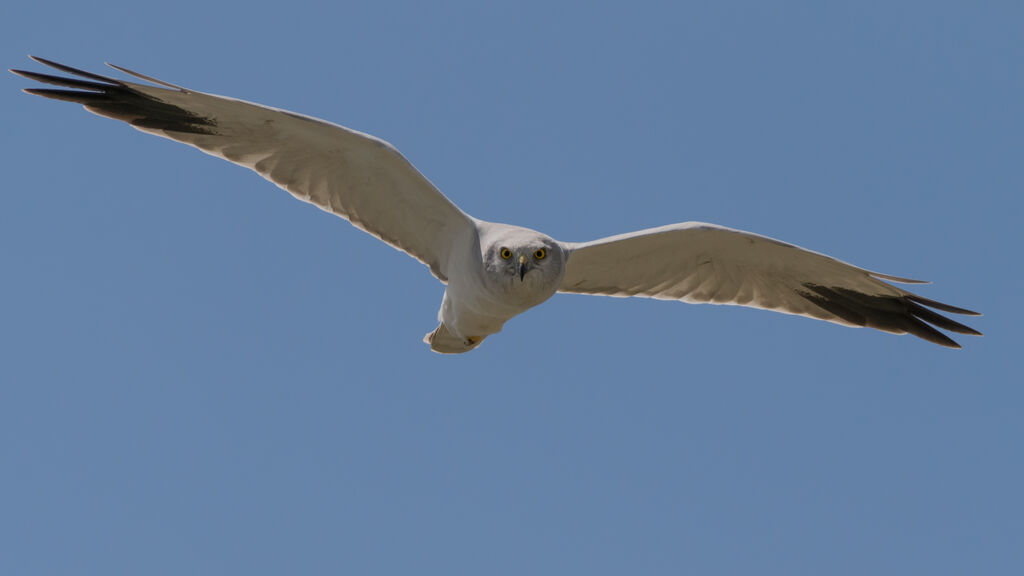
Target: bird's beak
pixel 522 267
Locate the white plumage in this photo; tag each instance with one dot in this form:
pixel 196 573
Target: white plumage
pixel 495 271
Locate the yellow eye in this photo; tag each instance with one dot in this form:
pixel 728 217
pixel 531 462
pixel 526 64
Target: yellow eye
pixel 506 253
pixel 540 254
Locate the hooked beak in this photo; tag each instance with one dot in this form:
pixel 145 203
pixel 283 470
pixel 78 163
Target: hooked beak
pixel 522 267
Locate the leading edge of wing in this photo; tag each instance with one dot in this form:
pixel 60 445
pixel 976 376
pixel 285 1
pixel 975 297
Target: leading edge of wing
pixel 693 225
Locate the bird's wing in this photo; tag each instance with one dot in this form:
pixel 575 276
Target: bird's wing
pixel 703 263
pixel 353 175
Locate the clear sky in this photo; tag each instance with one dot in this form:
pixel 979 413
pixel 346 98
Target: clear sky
pixel 201 375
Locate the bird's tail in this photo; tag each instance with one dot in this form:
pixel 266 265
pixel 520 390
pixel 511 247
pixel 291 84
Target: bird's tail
pixel 444 342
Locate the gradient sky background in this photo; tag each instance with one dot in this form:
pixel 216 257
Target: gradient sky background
pixel 202 375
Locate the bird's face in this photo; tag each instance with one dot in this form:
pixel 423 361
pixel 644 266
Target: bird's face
pixel 530 266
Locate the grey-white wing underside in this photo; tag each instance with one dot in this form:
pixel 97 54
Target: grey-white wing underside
pixel 353 175
pixel 703 263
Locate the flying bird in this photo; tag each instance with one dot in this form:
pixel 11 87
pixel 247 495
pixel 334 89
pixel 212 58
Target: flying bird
pixel 493 271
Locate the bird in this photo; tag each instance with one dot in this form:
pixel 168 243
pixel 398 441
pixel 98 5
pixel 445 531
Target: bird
pixel 493 272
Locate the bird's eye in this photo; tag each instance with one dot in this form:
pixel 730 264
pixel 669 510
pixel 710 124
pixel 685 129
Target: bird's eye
pixel 540 254
pixel 506 253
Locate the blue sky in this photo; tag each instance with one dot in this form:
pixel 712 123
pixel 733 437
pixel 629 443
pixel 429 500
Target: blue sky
pixel 202 375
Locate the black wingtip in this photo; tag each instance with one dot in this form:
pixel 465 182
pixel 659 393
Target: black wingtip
pixel 940 306
pixel 935 337
pixel 63 81
pixel 141 76
pixel 900 314
pixel 44 92
pixel 76 96
pixel 75 71
pixel 22 73
pixel 116 99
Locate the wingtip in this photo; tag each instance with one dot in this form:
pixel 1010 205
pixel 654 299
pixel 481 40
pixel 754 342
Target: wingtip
pixel 65 95
pixel 42 60
pixel 958 310
pixel 141 76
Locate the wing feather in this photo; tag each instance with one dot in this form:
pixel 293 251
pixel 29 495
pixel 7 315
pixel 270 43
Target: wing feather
pixel 704 263
pixel 353 175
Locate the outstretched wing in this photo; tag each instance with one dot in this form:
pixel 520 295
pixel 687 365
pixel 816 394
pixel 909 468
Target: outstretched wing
pixel 356 176
pixel 703 263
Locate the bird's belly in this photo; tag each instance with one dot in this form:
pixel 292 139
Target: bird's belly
pixel 477 326
pixel 467 322
pixel 476 317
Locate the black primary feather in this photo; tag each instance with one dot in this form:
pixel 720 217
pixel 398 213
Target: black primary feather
pixel 898 314
pixel 116 99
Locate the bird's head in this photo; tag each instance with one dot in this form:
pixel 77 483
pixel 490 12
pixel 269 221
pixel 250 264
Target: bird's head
pixel 524 262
